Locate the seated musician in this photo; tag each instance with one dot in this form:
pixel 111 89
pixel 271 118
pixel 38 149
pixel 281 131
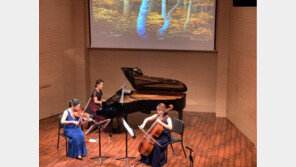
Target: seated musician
pixel 98 109
pixel 75 135
pixel 157 156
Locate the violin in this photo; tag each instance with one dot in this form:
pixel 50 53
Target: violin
pixel 147 143
pixel 83 117
pixel 81 114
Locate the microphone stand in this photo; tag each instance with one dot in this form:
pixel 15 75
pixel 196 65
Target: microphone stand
pixel 191 159
pixel 190 156
pixel 123 107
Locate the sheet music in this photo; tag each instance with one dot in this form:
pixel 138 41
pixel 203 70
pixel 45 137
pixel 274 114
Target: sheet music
pixel 122 92
pixel 128 128
pixel 127 91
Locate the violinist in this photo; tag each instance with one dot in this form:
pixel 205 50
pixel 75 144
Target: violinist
pixel 98 109
pixel 157 157
pixel 76 144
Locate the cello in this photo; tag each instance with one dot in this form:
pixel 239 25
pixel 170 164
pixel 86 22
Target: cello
pixel 147 143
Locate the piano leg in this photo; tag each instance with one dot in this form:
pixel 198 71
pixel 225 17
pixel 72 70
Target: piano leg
pixel 119 123
pixel 180 113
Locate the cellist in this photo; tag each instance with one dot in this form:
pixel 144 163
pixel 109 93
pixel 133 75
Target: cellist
pixel 157 156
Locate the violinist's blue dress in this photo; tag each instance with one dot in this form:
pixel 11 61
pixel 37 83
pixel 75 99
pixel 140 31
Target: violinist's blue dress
pixel 157 156
pixel 76 144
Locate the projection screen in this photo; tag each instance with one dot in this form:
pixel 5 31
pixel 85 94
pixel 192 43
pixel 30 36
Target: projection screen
pixel 153 24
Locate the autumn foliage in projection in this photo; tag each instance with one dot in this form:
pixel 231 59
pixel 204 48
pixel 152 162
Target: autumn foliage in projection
pixel 158 20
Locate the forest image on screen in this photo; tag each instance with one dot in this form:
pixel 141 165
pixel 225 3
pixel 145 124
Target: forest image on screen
pixel 153 24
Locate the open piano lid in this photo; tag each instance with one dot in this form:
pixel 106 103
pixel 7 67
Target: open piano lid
pixel 141 82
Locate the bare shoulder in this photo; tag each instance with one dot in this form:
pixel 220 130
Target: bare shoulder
pixel 65 112
pixel 169 118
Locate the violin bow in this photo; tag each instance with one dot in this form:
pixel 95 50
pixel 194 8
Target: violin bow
pixel 84 112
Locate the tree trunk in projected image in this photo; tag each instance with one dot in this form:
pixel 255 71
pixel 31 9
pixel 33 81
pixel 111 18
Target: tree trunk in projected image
pixel 188 15
pixel 141 22
pixel 185 4
pixel 118 5
pixel 163 8
pixel 166 22
pixel 152 5
pixel 143 13
pixel 126 8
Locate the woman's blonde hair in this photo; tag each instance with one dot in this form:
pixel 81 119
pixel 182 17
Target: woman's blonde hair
pixel 163 107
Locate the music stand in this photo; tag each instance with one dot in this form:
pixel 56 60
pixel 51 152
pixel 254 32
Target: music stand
pixel 104 122
pixel 133 135
pixel 100 125
pixel 127 127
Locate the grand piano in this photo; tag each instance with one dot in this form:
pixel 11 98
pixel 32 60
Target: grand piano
pixel 148 92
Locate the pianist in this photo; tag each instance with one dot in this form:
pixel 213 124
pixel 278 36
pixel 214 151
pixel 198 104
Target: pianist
pixel 97 107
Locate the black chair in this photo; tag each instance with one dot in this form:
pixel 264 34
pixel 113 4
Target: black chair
pixel 166 154
pixel 61 126
pixel 178 127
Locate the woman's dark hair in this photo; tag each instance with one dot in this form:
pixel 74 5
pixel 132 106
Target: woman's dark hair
pixel 98 82
pixel 74 102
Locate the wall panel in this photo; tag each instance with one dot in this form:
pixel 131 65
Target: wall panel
pixel 196 69
pixel 242 89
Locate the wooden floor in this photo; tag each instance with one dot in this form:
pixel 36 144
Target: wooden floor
pixel 216 141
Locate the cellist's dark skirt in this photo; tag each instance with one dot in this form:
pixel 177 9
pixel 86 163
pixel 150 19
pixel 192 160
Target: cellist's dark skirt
pixel 157 156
